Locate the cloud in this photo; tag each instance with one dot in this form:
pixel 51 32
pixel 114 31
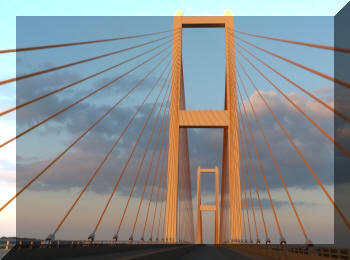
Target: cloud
pixel 326 90
pixel 81 162
pixel 205 146
pixel 31 88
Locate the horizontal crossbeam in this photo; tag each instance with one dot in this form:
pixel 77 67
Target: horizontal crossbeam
pixel 208 170
pixel 208 207
pixel 203 21
pixel 204 118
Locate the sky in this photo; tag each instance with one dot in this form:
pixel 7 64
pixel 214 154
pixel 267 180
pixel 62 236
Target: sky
pixel 199 86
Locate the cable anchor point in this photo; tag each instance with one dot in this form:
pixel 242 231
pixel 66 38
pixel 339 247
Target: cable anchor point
pixel 115 237
pixel 91 238
pixel 50 237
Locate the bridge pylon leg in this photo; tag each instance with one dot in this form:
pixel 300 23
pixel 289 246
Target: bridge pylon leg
pixel 174 132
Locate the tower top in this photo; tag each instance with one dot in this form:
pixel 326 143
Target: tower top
pixel 178 13
pixel 227 12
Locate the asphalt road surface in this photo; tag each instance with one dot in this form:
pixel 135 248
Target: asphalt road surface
pixel 196 253
pixel 174 253
pixel 213 253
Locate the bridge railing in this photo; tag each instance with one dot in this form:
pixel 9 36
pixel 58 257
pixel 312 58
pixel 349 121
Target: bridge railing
pixel 8 244
pixel 291 251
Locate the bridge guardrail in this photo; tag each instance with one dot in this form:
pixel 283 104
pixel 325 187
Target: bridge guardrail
pixel 8 244
pixel 292 251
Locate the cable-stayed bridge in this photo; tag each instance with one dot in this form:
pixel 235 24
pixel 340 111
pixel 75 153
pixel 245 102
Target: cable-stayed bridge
pixel 160 194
